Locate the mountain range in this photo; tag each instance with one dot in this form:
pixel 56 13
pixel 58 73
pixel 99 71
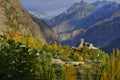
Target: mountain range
pixel 13 17
pixel 97 23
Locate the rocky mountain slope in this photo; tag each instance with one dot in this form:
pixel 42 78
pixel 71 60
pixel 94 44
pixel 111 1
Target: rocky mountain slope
pixel 97 23
pixel 14 17
pixel 48 33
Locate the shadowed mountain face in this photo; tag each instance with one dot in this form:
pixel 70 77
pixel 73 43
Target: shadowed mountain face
pixel 48 33
pixel 14 17
pixel 97 23
pixel 113 45
pixel 104 33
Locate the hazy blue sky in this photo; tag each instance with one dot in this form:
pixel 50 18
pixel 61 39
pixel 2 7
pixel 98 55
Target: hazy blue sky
pixel 50 8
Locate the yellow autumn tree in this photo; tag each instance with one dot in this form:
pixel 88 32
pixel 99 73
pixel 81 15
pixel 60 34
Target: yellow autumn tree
pixel 104 75
pixel 27 40
pixel 69 73
pixel 80 58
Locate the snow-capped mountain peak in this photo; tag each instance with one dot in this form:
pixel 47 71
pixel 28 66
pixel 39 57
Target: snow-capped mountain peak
pixel 36 13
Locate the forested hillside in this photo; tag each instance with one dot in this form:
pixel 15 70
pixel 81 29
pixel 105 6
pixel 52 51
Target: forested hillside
pixel 24 57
